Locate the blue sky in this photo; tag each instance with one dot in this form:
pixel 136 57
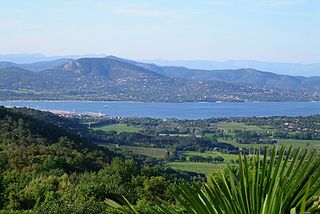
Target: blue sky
pixel 269 30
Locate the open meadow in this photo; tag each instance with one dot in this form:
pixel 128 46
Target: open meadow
pixel 117 128
pixel 198 167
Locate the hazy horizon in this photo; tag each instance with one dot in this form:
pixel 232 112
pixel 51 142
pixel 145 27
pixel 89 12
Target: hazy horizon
pixel 266 30
pixel 101 55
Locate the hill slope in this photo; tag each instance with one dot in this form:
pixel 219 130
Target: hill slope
pixel 274 67
pixel 244 76
pixel 112 78
pixel 29 144
pixel 36 66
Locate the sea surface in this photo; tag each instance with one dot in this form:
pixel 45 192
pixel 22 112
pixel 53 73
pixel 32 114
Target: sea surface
pixel 191 110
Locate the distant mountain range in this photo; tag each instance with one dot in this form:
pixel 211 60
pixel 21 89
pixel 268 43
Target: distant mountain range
pixel 113 78
pixel 36 57
pixel 295 69
pixel 36 66
pixel 245 76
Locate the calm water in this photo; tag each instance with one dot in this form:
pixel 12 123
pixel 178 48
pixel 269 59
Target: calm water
pixel 179 110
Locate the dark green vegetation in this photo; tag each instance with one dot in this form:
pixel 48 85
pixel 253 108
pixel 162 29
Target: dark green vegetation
pixel 51 164
pixel 113 78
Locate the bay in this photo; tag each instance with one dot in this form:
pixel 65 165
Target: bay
pixel 191 110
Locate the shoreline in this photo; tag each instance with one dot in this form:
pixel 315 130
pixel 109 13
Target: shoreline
pixel 127 101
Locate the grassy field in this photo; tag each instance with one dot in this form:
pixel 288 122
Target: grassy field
pixel 175 135
pixel 118 128
pixel 234 143
pixel 227 157
pixel 158 153
pixel 231 126
pixel 308 144
pixel 205 168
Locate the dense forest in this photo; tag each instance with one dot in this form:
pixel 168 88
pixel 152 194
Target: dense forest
pixel 46 168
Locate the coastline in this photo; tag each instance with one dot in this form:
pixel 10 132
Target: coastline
pixel 129 101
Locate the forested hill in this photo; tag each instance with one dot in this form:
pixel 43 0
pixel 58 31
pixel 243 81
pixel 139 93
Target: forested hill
pixel 29 144
pixel 46 168
pixel 72 125
pixel 243 76
pixel 113 78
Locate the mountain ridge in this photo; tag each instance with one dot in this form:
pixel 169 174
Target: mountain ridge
pixel 304 69
pixel 113 78
pixel 247 76
pixel 295 69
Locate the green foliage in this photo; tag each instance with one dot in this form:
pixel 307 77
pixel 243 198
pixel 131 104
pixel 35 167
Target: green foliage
pixel 288 182
pixel 153 188
pixel 46 168
pixel 28 144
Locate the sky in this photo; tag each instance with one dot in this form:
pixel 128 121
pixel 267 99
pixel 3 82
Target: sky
pixel 266 30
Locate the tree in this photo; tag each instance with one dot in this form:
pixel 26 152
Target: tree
pixel 153 188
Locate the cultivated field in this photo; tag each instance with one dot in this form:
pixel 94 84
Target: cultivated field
pixel 231 126
pixel 227 157
pixel 118 128
pixel 205 168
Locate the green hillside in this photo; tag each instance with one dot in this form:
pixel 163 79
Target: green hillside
pixel 117 79
pixel 46 168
